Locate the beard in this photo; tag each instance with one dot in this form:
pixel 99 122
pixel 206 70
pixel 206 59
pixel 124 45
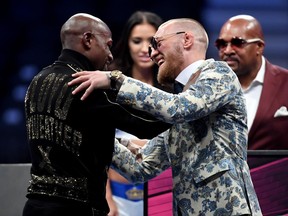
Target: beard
pixel 170 68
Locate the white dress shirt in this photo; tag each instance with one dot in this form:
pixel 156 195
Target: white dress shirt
pixel 184 76
pixel 252 94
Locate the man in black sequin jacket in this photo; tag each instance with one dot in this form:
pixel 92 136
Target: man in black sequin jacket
pixel 72 141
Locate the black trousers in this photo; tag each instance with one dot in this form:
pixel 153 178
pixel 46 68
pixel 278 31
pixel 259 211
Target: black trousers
pixel 37 207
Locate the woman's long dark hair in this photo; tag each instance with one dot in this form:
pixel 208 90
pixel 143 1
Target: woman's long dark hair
pixel 122 58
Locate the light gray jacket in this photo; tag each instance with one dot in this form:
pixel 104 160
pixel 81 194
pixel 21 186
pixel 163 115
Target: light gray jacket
pixel 206 147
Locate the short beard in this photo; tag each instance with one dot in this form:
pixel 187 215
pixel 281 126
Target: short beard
pixel 166 76
pixel 167 72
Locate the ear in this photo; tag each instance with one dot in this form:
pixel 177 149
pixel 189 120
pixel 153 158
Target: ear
pixel 261 46
pixel 87 39
pixel 188 40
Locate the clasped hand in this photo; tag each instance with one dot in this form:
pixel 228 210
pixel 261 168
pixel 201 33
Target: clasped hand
pixel 134 145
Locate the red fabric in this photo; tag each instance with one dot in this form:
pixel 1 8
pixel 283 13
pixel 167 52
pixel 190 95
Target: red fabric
pixel 160 195
pixel 161 184
pixel 160 205
pixel 270 182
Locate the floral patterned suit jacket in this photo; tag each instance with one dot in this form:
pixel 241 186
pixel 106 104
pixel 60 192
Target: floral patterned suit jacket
pixel 206 147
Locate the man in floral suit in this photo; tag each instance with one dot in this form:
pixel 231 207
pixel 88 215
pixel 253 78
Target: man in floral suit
pixel 207 145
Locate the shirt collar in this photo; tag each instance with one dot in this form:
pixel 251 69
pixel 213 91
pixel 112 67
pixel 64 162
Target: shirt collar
pixel 260 75
pixel 184 76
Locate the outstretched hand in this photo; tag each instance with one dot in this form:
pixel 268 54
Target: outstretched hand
pixel 90 80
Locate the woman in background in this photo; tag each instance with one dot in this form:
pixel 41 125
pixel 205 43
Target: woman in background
pixel 132 58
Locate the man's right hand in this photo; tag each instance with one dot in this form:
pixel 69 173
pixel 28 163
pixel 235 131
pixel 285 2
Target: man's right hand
pixel 90 80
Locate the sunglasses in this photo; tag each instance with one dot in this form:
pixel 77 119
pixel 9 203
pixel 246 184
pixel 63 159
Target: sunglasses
pixel 154 43
pixel 236 42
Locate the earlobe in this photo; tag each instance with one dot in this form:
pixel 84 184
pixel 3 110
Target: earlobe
pixel 188 40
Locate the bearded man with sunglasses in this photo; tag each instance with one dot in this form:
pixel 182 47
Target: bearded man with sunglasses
pixel 207 145
pixel 241 44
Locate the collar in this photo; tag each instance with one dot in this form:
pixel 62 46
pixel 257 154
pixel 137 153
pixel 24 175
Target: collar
pixel 184 76
pixel 68 56
pixel 260 75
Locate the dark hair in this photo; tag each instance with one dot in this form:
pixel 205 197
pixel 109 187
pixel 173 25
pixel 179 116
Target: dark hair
pixel 122 59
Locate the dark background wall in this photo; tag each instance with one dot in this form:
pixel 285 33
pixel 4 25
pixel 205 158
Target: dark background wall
pixel 30 40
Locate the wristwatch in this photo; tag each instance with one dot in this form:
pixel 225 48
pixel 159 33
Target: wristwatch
pixel 114 76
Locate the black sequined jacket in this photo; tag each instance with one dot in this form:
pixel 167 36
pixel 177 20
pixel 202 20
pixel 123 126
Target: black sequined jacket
pixel 72 141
